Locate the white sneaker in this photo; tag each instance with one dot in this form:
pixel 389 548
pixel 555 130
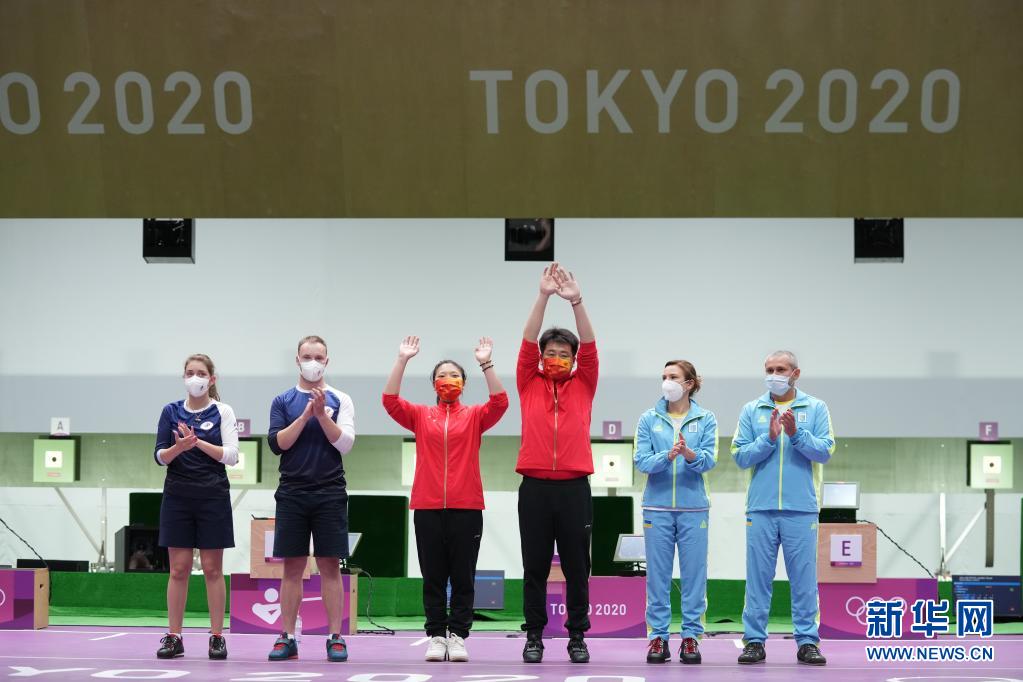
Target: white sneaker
pixel 437 649
pixel 456 649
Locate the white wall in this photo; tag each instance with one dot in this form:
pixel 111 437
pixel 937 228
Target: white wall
pixel 911 520
pixel 86 323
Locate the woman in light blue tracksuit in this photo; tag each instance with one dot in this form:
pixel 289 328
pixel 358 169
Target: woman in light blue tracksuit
pixel 676 444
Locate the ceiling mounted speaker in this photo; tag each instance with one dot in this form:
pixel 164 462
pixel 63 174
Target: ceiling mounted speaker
pixel 878 240
pixel 168 240
pixel 529 239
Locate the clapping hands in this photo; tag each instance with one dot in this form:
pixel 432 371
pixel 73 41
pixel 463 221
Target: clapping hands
pixel 184 438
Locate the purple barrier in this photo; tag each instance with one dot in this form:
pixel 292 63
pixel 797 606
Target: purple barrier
pixel 844 605
pixel 617 608
pixel 256 605
pixel 23 598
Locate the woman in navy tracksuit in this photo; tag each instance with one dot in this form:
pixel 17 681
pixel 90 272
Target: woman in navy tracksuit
pixel 196 438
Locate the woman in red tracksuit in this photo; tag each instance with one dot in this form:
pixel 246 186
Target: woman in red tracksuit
pixel 447 492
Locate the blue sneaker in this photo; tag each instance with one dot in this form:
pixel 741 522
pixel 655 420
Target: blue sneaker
pixel 285 648
pixel 337 650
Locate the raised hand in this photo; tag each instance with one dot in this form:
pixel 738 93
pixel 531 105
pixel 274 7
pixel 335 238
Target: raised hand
pixel 549 280
pixel 774 430
pixel 788 422
pixel 568 288
pixel 409 348
pixel 484 350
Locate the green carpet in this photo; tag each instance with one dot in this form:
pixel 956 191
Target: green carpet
pixel 386 597
pixel 139 599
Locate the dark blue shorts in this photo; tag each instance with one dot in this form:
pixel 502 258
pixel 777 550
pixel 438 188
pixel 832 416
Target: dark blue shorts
pixel 322 515
pixel 202 522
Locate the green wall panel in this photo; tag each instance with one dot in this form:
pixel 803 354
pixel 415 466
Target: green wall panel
pixel 898 465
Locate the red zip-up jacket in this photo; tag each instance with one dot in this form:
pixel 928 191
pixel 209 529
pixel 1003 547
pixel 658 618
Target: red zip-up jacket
pixel 447 449
pixel 556 415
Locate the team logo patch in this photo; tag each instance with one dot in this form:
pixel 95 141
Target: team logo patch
pixel 703 524
pixel 749 521
pixel 648 524
pixel 762 420
pixel 206 426
pixel 329 411
pixel 658 427
pixel 801 416
pixel 693 427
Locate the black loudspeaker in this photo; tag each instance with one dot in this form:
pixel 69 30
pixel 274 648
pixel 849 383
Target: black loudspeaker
pixel 136 551
pixel 168 240
pixel 383 522
pixel 65 565
pixel 612 516
pixel 144 509
pixel 530 239
pixel 878 240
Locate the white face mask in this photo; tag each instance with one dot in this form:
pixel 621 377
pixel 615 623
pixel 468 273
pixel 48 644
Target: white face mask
pixel 312 371
pixel 777 384
pixel 196 385
pixel 672 390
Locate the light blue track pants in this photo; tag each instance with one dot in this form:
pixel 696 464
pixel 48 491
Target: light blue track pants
pixel 664 531
pixel 796 533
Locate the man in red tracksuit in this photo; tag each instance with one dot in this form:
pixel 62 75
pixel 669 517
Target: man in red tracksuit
pixel 555 460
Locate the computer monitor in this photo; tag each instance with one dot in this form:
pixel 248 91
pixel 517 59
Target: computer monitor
pixel 1003 590
pixel 840 495
pixel 630 549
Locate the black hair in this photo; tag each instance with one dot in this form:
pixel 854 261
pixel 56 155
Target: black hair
pixel 559 335
pixel 433 374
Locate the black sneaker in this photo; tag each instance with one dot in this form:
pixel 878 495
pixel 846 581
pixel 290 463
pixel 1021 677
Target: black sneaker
pixel 809 654
pixel 753 652
pixel 577 651
pixel 218 647
pixel 689 652
pixel 533 651
pixel 171 647
pixel 657 651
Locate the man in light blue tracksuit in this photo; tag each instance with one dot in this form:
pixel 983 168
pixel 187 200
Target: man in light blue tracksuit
pixel 783 439
pixel 676 443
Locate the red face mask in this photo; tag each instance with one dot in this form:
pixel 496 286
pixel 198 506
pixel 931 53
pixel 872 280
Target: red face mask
pixel 557 368
pixel 448 389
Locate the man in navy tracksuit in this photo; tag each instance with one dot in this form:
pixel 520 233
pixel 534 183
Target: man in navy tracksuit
pixel 311 426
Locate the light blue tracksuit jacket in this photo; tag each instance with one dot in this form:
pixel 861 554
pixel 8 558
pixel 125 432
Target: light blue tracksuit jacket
pixel 782 503
pixel 675 513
